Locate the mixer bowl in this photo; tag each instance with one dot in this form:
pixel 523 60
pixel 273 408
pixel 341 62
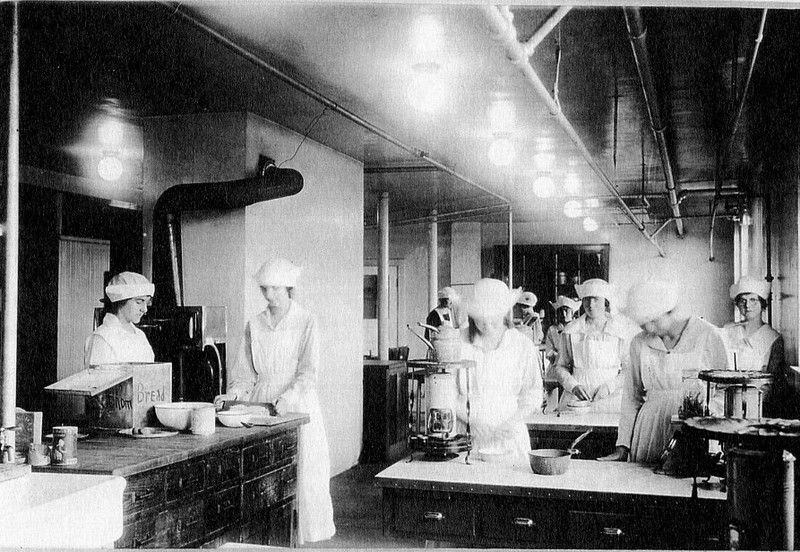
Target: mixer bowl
pixel 178 415
pixel 549 461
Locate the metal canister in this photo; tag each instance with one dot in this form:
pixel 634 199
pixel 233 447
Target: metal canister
pixel 64 451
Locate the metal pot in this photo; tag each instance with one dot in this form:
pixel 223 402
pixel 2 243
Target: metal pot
pixel 553 461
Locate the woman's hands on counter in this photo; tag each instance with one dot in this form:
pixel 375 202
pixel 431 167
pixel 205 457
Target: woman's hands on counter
pixel 602 392
pixel 581 393
pixel 620 454
pixel 219 400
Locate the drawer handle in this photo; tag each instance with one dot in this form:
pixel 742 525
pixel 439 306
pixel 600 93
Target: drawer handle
pixel 613 531
pixel 433 516
pixel 523 522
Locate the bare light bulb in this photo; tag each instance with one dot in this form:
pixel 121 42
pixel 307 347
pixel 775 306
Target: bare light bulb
pixel 543 186
pixel 109 168
pixel 501 116
pixel 426 90
pixel 572 184
pixel 501 152
pixel 110 133
pixel 589 224
pixel 573 208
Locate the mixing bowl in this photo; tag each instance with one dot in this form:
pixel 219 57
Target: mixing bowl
pixel 178 415
pixel 234 417
pixel 549 461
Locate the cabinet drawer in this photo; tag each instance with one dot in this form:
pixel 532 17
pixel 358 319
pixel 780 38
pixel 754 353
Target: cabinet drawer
pixel 261 493
pixel 518 521
pixel 223 468
pixel 613 530
pixel 143 491
pixel 435 517
pixel 179 527
pixel 283 447
pixel 255 458
pixel 144 531
pixel 185 480
pixel 222 509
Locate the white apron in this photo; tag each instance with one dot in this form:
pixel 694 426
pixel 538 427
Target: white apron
pixel 667 379
pixel 595 362
pixel 277 360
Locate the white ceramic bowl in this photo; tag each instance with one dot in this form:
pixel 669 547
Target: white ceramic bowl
pixel 493 454
pixel 233 418
pixel 178 415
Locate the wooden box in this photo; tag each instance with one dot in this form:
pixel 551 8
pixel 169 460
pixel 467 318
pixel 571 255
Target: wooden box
pixel 120 395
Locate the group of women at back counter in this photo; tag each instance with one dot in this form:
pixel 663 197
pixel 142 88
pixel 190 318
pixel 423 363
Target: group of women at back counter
pixel 641 365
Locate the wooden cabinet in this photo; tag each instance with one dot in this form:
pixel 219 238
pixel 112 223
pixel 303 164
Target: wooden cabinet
pixel 385 434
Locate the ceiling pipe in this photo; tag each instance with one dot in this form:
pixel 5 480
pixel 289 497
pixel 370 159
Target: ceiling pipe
pixel 725 149
pixel 501 23
pixel 449 217
pixel 545 29
pixel 178 10
pixel 637 33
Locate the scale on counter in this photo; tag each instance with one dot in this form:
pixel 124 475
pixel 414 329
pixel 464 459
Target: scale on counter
pixel 433 396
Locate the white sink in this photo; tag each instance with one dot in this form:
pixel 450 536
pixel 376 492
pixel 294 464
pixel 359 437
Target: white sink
pixel 48 510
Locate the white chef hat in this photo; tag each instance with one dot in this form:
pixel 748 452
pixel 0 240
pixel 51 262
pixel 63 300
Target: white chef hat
pixel 749 284
pixel 448 293
pixel 126 285
pixel 279 272
pixel 594 288
pixel 564 301
pixel 491 299
pixel 649 299
pixel 528 298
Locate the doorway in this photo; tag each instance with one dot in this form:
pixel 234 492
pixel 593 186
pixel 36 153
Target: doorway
pixel 396 305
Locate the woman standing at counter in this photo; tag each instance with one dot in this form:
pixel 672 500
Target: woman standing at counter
pixel 666 359
pixel 594 352
pixel 565 309
pixel 755 344
pixel 506 381
pixel 117 339
pixel 278 363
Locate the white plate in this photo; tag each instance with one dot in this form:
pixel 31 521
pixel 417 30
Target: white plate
pixel 150 433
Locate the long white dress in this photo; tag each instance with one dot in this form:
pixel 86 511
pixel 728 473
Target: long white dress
pixel 657 382
pixel 504 383
pixel 592 358
pixel 112 343
pixel 280 362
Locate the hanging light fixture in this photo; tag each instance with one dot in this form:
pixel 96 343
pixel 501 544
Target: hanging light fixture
pixel 110 168
pixel 426 90
pixel 501 116
pixel 544 186
pixel 589 224
pixel 573 208
pixel 544 161
pixel 501 152
pixel 572 184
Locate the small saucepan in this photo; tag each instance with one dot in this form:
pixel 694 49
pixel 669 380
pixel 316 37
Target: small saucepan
pixel 553 461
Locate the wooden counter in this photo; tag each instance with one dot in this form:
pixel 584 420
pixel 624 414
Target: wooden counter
pixel 237 484
pixel 593 505
pixel 558 431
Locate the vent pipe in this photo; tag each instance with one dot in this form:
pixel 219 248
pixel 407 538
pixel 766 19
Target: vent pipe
pixel 637 33
pixel 271 183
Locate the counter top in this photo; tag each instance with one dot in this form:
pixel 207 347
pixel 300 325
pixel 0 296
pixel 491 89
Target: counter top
pixel 608 479
pixel 110 453
pixel 601 422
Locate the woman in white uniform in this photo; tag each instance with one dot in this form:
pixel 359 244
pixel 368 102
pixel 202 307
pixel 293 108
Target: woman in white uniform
pixel 117 339
pixel 666 359
pixel 755 344
pixel 278 363
pixel 594 349
pixel 531 321
pixel 565 309
pixel 505 382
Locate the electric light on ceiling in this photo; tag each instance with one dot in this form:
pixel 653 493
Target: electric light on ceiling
pixel 572 184
pixel 427 34
pixel 110 133
pixel 589 224
pixel 501 116
pixel 544 161
pixel 592 203
pixel 501 152
pixel 573 208
pixel 544 186
pixel 426 90
pixel 110 168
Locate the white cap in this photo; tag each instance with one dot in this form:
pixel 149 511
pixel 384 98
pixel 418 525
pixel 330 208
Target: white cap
pixel 448 293
pixel 650 299
pixel 491 299
pixel 594 288
pixel 564 301
pixel 749 284
pixel 126 285
pixel 279 273
pixel 528 298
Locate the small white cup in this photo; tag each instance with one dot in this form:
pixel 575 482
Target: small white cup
pixel 203 420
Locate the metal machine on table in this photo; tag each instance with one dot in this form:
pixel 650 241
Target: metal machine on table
pixel 435 386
